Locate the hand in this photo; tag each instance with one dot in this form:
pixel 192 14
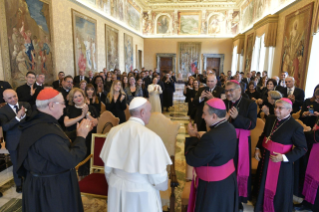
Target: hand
pixel 192 99
pixel 260 101
pixel 21 112
pixel 257 154
pixel 155 88
pixel 83 129
pixel 203 94
pixel 200 134
pixel 32 91
pixel 85 110
pixel 192 130
pixel 265 109
pixel 277 157
pixel 315 113
pixel 233 112
pixel 122 97
pixel 190 87
pixel 253 98
pixel 306 113
pixel 292 98
pixel 209 95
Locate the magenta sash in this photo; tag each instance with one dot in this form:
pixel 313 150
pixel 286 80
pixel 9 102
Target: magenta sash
pixel 243 161
pixel 272 173
pixel 312 174
pixel 209 174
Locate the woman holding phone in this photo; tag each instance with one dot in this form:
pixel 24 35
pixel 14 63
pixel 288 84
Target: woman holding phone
pixel 310 109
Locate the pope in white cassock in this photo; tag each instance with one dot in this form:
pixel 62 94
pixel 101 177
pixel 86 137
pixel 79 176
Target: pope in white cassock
pixel 135 160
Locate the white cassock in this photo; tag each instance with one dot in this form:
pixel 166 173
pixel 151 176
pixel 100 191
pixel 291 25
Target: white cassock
pixel 135 161
pixel 154 97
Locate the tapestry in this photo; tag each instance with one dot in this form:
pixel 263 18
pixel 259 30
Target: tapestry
pixel 84 42
pixel 295 44
pixel 112 47
pixel 128 53
pixel 249 52
pixel 189 57
pixel 29 38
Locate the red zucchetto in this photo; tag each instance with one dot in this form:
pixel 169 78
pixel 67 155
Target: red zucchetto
pixel 216 103
pixel 47 93
pixel 286 100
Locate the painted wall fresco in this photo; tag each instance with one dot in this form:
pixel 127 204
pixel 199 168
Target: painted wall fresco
pixel 84 39
pixel 112 47
pixel 247 14
pixel 189 23
pixel 189 57
pixel 29 38
pixel 133 16
pixel 162 23
pixel 295 43
pixel 128 52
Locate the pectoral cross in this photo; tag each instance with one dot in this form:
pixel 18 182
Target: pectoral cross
pixel 268 138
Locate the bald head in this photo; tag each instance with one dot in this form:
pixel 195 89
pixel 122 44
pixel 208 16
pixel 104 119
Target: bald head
pixel 10 97
pixel 142 112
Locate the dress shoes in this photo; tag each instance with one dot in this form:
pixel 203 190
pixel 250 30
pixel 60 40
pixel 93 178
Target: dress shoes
pixel 19 189
pixel 1 195
pixel 301 207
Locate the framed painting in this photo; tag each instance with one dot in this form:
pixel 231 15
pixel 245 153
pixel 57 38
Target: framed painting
pixel 29 39
pixel 84 42
pixel 189 57
pixel 133 16
pixel 128 52
pixel 163 24
pixel 295 44
pixel 112 47
pixel 189 23
pixel 249 52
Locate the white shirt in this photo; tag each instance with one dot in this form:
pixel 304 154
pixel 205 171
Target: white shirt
pixel 291 90
pixel 38 84
pixel 14 110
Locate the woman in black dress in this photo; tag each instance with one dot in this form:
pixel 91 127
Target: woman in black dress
pixel 124 82
pixel 270 86
pixel 108 82
pixel 169 89
pixel 251 91
pixel 92 98
pixel 116 101
pixel 75 112
pixel 189 93
pixel 310 110
pixel 98 83
pixel 196 85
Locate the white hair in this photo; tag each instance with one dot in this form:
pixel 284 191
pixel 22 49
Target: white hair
pixel 44 103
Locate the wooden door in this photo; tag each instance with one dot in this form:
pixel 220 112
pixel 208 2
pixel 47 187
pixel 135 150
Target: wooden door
pixel 166 64
pixel 213 63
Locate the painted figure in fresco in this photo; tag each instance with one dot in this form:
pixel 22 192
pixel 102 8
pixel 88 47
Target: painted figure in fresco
pixel 162 24
pixel 128 52
pixel 93 49
pixel 87 45
pixel 28 45
pixel 23 63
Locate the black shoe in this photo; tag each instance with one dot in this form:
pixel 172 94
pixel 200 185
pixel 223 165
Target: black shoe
pixel 301 207
pixel 241 207
pixel 19 189
pixel 1 195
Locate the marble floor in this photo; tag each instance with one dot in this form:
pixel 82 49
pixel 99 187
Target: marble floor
pixel 11 201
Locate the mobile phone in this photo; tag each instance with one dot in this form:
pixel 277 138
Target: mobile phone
pixel 206 88
pixel 311 111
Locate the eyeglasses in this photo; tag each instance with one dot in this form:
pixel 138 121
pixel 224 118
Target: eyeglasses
pixel 230 90
pixel 280 108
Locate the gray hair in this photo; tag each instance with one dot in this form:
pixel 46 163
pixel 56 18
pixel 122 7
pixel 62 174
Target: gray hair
pixel 41 104
pixel 235 84
pixel 286 104
pixel 275 95
pixel 218 112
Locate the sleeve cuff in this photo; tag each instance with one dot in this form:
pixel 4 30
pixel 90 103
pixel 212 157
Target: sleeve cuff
pixel 284 158
pixel 18 119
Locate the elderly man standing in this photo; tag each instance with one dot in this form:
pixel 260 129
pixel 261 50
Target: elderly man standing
pixel 296 95
pixel 135 161
pixel 212 156
pixel 204 94
pixel 275 149
pixel 242 114
pixel 47 158
pixel 11 115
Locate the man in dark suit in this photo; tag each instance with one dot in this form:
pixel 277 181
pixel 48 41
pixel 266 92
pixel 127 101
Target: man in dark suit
pixel 247 79
pixel 3 86
pixel 38 85
pixel 80 77
pixel 204 94
pixel 58 83
pixel 198 76
pixel 283 76
pixel 67 85
pixel 11 115
pixel 296 95
pixel 26 92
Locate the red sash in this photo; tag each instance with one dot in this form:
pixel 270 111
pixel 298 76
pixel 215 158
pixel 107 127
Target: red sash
pixel 272 173
pixel 209 174
pixel 243 161
pixel 312 174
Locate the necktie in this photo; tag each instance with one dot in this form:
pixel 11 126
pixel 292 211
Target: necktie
pixel 81 78
pixel 289 91
pixel 17 109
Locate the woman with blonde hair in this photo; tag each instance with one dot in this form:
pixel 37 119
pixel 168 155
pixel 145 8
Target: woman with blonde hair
pixel 116 101
pixel 75 112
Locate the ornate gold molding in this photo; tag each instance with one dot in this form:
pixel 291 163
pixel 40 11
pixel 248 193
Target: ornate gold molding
pixel 266 20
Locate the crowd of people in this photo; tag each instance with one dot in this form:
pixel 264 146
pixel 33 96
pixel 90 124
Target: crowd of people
pixel 48 130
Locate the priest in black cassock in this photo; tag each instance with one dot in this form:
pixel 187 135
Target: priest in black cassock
pixel 242 114
pixel 204 94
pixel 212 156
pixel 47 158
pixel 281 144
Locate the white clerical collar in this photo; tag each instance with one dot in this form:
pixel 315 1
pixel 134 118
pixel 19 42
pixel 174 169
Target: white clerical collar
pixel 137 120
pixel 283 118
pixel 38 84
